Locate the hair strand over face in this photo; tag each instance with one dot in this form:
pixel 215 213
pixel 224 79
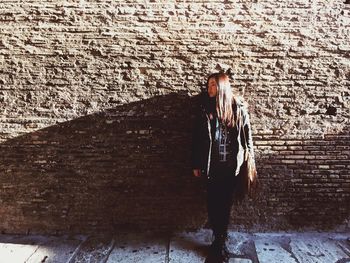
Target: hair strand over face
pixel 224 99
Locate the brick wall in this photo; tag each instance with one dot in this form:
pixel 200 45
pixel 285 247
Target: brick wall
pixel 96 111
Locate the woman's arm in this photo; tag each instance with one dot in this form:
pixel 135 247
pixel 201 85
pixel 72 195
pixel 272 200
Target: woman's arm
pixel 248 131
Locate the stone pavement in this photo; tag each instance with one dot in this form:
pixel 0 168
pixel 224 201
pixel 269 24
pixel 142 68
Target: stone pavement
pixel 325 247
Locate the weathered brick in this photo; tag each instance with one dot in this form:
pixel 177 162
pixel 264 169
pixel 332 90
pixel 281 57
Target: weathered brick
pixel 97 100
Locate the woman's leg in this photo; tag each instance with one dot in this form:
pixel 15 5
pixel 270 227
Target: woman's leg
pixel 219 200
pixel 213 205
pixel 228 190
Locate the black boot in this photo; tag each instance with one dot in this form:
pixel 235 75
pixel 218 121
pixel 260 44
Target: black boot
pixel 218 251
pixel 224 253
pixel 214 253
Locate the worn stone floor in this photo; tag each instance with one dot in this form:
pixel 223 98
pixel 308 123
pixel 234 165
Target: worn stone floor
pixel 293 247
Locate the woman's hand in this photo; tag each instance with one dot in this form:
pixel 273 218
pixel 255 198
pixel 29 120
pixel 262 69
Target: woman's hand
pixel 197 172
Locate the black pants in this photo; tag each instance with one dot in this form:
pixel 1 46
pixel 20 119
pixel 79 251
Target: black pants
pixel 220 190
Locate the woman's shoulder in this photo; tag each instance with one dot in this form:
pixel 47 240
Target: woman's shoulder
pixel 241 102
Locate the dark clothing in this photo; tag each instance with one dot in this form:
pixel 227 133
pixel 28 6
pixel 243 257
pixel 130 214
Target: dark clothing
pixel 218 151
pixel 220 190
pixel 203 139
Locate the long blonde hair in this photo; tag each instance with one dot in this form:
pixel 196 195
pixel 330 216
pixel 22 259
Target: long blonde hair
pixel 225 100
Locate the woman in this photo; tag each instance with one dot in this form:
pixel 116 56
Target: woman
pixel 218 151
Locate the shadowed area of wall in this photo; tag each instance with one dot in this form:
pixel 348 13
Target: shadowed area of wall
pixel 128 168
pixel 124 167
pixel 304 184
pixel 96 103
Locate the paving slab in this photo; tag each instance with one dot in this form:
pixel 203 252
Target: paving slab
pixel 193 247
pixel 239 260
pixel 242 247
pixel 189 246
pixel 274 249
pixel 56 250
pixel 18 248
pixel 344 245
pixel 95 249
pixel 287 247
pixel 139 247
pixel 320 248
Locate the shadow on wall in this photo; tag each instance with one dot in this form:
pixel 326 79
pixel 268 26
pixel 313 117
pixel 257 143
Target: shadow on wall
pixel 127 167
pixel 305 184
pixel 321 188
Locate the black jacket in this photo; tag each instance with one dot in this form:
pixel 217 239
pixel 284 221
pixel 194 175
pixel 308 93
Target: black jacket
pixel 202 141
